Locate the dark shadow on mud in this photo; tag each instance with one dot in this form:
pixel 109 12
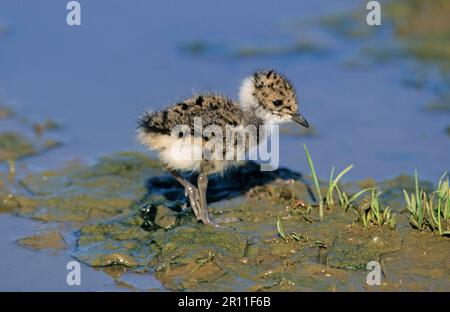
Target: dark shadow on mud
pixel 235 182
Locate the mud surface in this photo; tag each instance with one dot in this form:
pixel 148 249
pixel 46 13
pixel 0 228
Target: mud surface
pixel 26 140
pixel 49 240
pixel 126 212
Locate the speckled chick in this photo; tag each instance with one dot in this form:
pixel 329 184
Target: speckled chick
pixel 265 98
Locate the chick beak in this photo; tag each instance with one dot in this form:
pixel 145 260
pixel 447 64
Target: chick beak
pixel 298 118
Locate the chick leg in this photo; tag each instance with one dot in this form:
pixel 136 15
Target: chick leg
pixel 191 191
pixel 202 183
pixel 207 218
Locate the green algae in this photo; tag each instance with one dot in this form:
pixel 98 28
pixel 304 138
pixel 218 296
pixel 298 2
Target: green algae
pixel 48 240
pixel 442 105
pixel 19 143
pixel 117 242
pixel 187 244
pixel 421 27
pixel 246 255
pixel 349 25
pixel 425 27
pixel 81 193
pixel 14 146
pixel 355 251
pixel 47 125
pixel 195 47
pixel 292 48
pixel 296 48
pixel 421 33
pixel 5 112
pixel 128 213
pixel 424 31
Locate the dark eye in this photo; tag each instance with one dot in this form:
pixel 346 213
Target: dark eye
pixel 277 102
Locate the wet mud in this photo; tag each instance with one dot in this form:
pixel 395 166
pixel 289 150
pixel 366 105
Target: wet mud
pixel 129 215
pixel 26 140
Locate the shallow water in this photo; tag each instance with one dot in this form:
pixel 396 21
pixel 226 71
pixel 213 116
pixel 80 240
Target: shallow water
pixel 30 270
pixel 96 79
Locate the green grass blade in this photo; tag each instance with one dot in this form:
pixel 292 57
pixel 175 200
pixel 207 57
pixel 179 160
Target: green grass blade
pixel 340 175
pixel 329 199
pixel 355 197
pixel 316 181
pixel 408 202
pixel 331 178
pixel 280 229
pixel 418 193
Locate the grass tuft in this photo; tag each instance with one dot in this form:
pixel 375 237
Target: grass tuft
pixel 333 188
pixel 347 202
pixel 430 211
pixel 373 213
